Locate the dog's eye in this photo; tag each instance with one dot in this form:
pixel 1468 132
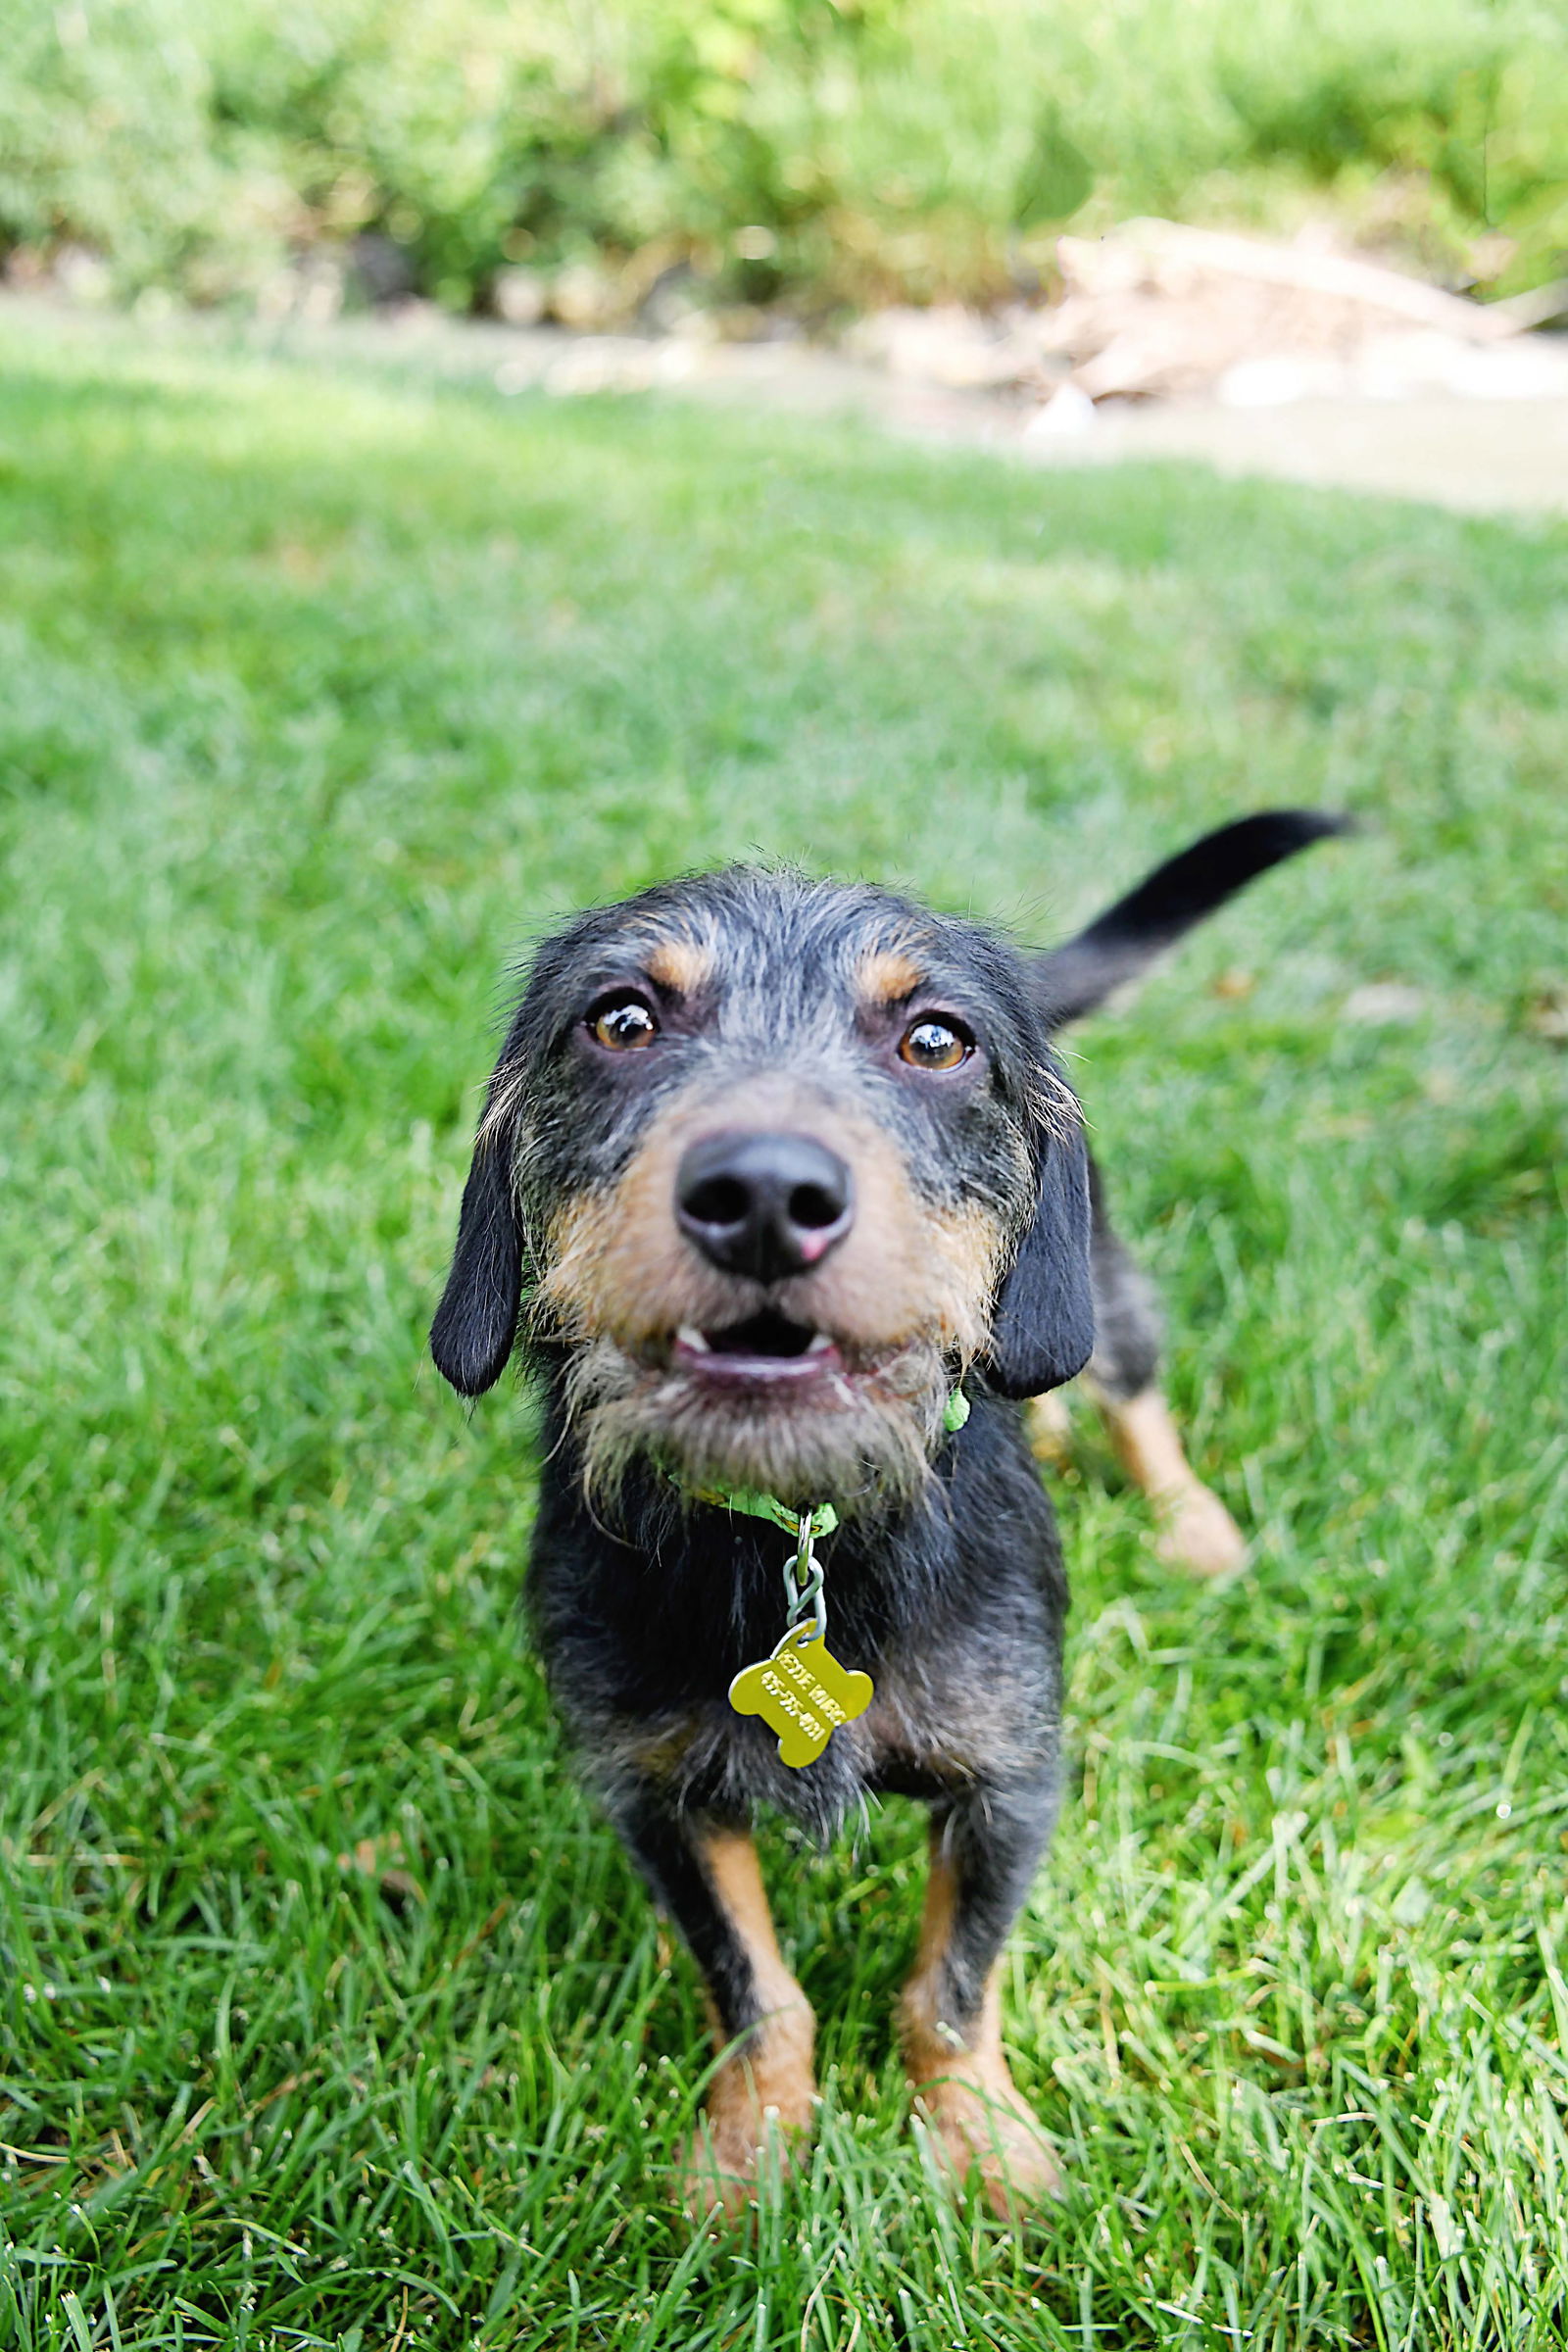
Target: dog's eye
pixel 935 1045
pixel 624 1022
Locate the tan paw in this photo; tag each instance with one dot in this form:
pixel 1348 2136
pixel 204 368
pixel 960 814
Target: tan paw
pixel 1047 1424
pixel 993 2135
pixel 738 2152
pixel 1198 1531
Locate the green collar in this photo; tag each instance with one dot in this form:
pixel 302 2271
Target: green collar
pixel 758 1505
pixel 825 1519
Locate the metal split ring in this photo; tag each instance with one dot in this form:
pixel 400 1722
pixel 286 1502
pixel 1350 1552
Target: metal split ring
pixel 803 1581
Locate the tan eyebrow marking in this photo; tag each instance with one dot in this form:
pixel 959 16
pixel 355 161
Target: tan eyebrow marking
pixel 887 976
pixel 679 966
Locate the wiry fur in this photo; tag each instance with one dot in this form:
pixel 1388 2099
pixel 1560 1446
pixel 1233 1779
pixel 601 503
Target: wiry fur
pixel 780 1002
pixel 876 1451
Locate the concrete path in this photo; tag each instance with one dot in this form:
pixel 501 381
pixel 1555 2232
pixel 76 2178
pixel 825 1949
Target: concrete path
pixel 1504 456
pixel 1484 456
pixel 1480 455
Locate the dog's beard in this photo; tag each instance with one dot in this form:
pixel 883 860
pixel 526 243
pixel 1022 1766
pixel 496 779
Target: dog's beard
pixel 866 1445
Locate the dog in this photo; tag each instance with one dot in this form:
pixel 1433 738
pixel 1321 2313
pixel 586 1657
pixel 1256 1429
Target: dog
pixel 784 1196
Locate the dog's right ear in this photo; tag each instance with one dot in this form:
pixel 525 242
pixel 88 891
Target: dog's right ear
pixel 477 1322
pixel 1043 1332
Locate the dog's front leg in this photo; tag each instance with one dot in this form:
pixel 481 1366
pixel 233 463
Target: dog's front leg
pixel 984 1850
pixel 705 1873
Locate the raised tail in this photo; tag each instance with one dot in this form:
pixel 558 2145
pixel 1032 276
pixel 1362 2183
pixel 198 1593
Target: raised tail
pixel 1128 938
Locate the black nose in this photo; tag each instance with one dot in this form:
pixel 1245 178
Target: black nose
pixel 767 1205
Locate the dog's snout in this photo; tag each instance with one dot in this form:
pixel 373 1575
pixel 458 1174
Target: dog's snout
pixel 766 1206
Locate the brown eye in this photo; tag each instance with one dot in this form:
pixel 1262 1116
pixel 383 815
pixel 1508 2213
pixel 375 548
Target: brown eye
pixel 935 1045
pixel 622 1023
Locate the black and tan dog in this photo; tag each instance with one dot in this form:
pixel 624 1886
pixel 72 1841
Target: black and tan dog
pixel 770 1173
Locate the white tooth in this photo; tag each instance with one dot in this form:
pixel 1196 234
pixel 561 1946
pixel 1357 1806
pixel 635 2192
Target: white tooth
pixel 820 1344
pixel 690 1336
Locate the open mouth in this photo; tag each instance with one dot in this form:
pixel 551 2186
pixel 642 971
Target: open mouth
pixel 766 1351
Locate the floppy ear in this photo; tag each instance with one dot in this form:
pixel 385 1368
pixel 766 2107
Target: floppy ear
pixel 1043 1330
pixel 476 1321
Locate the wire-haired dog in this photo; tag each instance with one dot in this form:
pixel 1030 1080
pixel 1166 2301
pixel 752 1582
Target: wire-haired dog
pixel 771 1173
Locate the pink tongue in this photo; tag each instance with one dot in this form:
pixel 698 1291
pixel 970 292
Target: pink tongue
pixel 720 1366
pixel 760 1367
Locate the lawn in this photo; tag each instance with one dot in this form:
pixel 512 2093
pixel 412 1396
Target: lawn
pixel 331 2015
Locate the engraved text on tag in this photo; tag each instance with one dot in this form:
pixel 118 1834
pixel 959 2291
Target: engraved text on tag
pixel 802 1693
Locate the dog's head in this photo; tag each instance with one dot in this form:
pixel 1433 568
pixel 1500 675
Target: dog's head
pixel 775 1162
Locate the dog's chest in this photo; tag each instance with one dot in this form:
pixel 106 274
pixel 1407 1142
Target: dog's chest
pixel 937 1725
pixel 955 1617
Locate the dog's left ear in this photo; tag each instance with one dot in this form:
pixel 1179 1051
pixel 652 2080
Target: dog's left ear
pixel 477 1322
pixel 1043 1329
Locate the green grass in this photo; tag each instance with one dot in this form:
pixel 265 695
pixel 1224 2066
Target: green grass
pixel 331 2013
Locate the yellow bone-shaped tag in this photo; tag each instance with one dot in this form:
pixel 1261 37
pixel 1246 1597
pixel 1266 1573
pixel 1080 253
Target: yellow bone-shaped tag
pixel 802 1693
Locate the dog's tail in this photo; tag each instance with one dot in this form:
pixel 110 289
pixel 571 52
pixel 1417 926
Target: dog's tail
pixel 1122 944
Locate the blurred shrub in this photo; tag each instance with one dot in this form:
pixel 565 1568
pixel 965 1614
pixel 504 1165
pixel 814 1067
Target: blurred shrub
pixel 818 149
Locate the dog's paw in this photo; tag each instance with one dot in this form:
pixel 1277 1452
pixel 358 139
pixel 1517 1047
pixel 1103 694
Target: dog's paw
pixel 732 2160
pixel 1198 1531
pixel 755 2123
pixel 1048 1427
pixel 993 2134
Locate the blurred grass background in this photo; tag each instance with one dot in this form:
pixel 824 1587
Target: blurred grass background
pixel 329 2014
pixel 809 153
